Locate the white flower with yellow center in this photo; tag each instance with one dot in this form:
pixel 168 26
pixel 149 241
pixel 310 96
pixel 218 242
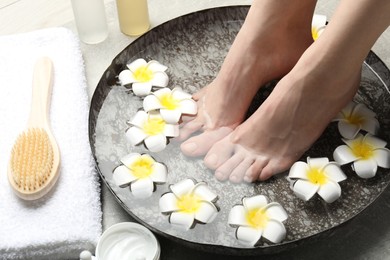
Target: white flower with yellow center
pixel 171 104
pixel 318 175
pixel 143 76
pixel 366 152
pixel 188 203
pixel 318 25
pixel 355 117
pixel 141 173
pixel 151 129
pixel 256 218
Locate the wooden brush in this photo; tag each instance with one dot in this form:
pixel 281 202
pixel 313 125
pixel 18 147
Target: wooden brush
pixel 35 158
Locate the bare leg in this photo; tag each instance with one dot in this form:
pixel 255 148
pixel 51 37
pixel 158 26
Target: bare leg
pixel 302 104
pixel 273 37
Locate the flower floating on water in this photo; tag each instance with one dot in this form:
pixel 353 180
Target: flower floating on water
pixel 188 203
pixel 257 218
pixel 318 175
pixel 318 25
pixel 171 103
pixel 355 117
pixel 143 76
pixel 141 173
pixel 366 152
pixel 151 129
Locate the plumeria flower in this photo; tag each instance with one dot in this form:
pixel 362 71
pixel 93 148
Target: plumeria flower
pixel 189 203
pixel 355 117
pixel 143 76
pixel 151 129
pixel 171 103
pixel 318 175
pixel 141 173
pixel 256 218
pixel 366 152
pixel 318 25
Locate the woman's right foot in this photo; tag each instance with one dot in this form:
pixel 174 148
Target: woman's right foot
pixel 266 48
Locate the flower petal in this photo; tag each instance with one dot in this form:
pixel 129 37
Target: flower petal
pixel 162 92
pixel 254 202
pixel 159 174
pixel 363 111
pixel 135 135
pixel 348 130
pixel 188 107
pixel 171 130
pixel 206 212
pixel 170 116
pixel 274 231
pixel 141 89
pixel 305 190
pixel 179 94
pixel 182 187
pixel 139 119
pixel 382 157
pixel 151 102
pixel 365 168
pixel 129 159
pixel 142 188
pixel 248 235
pixel 237 216
pixel 202 190
pixel 168 203
pixel 330 191
pixel 126 77
pixel 182 219
pixel 122 176
pixel 317 162
pixel 318 20
pixel 334 172
pixel 346 111
pixel 156 143
pixel 160 79
pixel 299 170
pixel 374 141
pixel 154 66
pixel 134 65
pixel 371 125
pixel 343 155
pixel 276 211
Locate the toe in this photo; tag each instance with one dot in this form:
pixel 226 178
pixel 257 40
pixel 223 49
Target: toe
pixel 238 173
pixel 274 167
pixel 227 167
pixel 253 172
pixel 188 129
pixel 201 144
pixel 219 153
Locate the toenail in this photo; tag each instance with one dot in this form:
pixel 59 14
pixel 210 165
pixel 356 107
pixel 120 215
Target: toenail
pixel 233 178
pixel 247 179
pixel 219 175
pixel 212 159
pixel 190 147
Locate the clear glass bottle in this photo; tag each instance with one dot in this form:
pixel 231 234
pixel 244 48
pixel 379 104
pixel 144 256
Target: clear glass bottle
pixel 133 16
pixel 91 20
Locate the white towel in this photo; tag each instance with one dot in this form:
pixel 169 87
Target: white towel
pixel 67 219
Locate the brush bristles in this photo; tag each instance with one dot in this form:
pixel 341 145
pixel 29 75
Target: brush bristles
pixel 31 159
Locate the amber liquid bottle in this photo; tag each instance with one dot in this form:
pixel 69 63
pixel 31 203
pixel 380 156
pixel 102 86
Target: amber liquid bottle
pixel 133 16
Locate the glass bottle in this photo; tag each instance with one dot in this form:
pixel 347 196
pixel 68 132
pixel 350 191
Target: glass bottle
pixel 133 16
pixel 91 20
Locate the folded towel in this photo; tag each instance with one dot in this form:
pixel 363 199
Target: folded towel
pixel 67 219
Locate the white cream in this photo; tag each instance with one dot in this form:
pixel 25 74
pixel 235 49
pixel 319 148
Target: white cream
pixel 126 243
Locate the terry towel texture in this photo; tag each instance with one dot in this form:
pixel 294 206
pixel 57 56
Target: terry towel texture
pixel 68 219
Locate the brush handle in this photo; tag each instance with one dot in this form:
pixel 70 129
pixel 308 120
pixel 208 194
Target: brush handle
pixel 41 94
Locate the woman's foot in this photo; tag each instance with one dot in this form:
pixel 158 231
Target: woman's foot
pixel 268 45
pixel 288 122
